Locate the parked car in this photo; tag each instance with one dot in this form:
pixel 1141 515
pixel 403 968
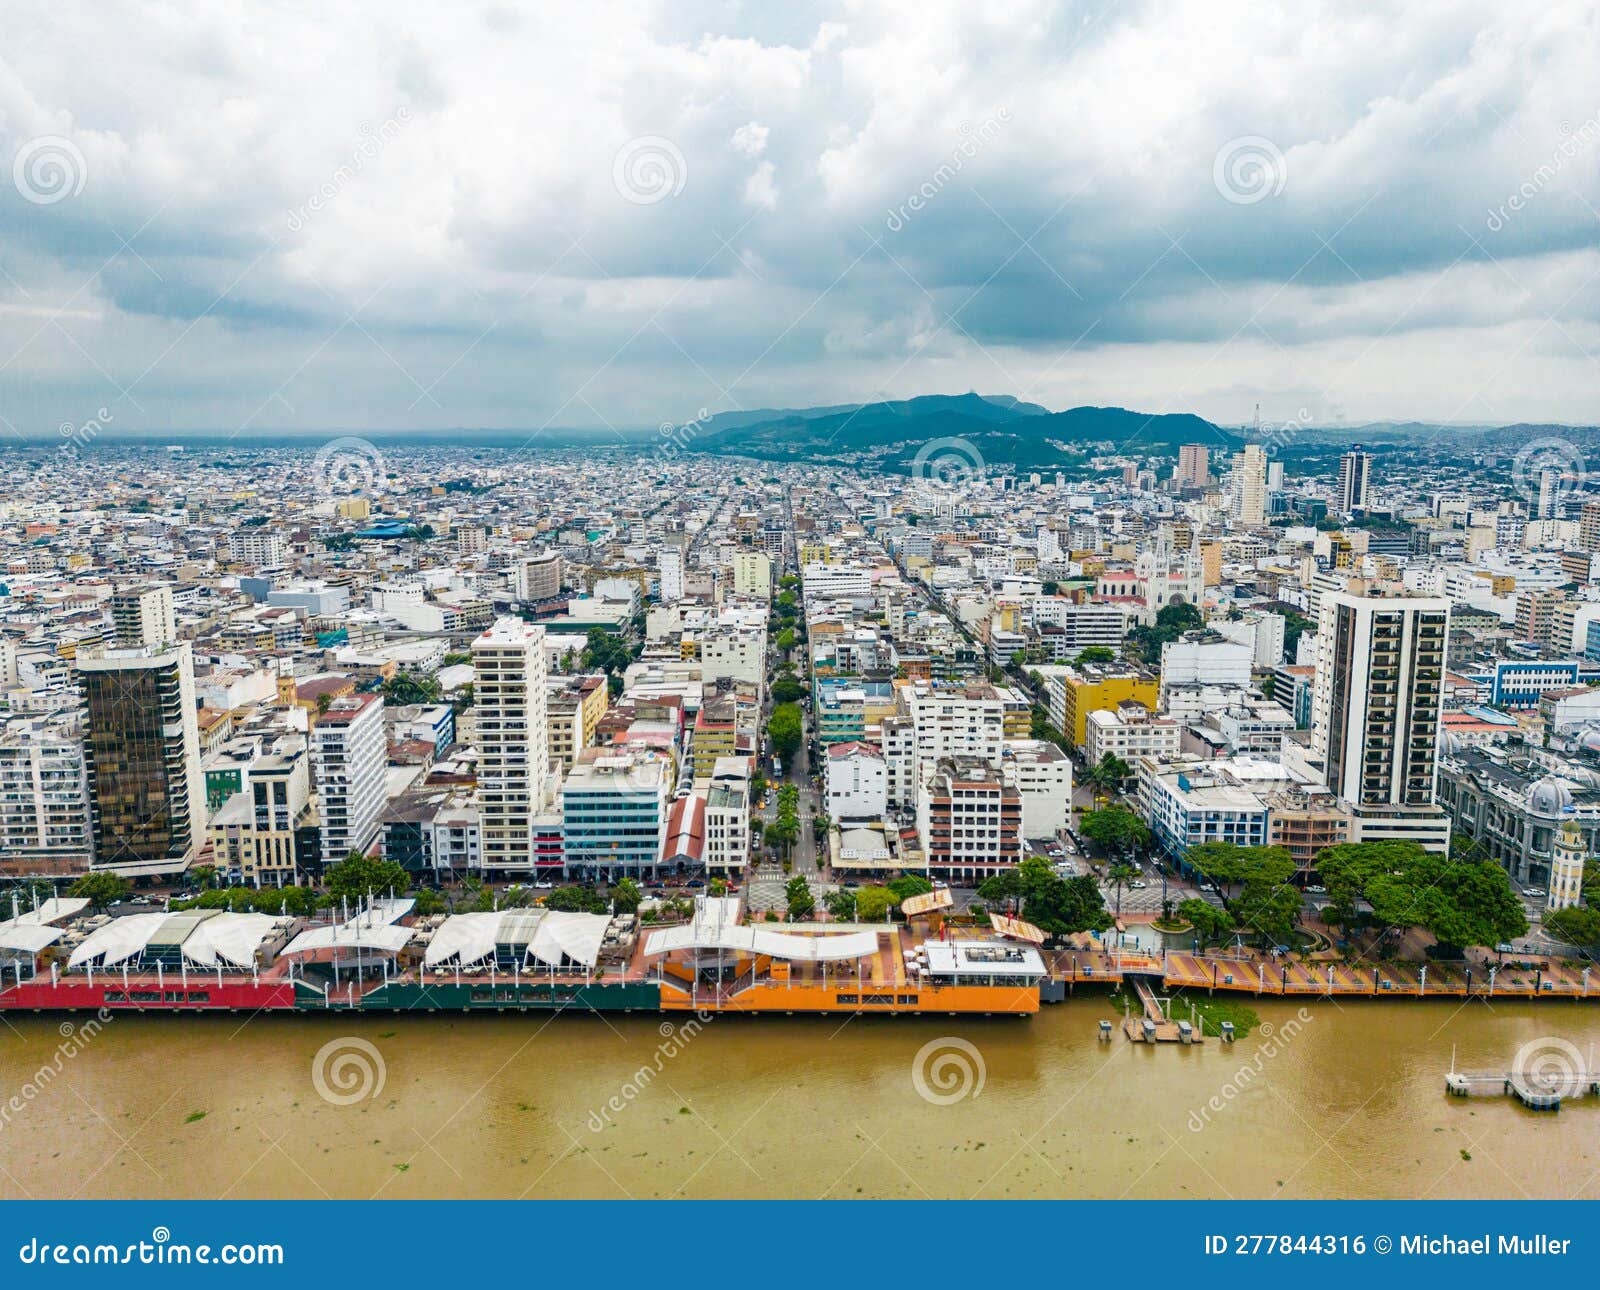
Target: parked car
pixel 544 886
pixel 1315 889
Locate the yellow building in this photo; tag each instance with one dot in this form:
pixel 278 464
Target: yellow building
pixel 1101 690
pixel 353 508
pixel 815 553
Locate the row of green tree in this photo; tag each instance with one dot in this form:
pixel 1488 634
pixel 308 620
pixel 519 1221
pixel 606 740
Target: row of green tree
pixel 1461 901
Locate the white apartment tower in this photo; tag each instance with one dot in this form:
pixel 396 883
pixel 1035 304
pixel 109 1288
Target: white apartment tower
pixel 1376 706
pixel 143 616
pixel 1355 478
pixel 511 703
pixel 669 567
pixel 1249 498
pixel 349 756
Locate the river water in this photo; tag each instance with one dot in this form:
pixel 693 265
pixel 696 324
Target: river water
pixel 1337 1101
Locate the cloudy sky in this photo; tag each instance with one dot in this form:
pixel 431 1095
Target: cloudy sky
pixel 256 216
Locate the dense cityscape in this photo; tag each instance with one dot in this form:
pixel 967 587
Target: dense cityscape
pixel 728 602
pixel 335 725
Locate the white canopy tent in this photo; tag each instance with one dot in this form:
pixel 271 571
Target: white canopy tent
pixel 209 938
pixel 374 928
pixel 24 939
pixel 116 942
pixel 759 940
pixel 229 939
pixel 55 910
pixel 554 938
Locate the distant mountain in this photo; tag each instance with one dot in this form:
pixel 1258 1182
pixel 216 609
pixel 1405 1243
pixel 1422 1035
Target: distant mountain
pixel 1000 431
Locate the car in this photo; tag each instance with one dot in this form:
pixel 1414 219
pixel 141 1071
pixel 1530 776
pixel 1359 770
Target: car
pixel 694 882
pixel 544 886
pixel 1137 886
pixel 1208 886
pixel 940 885
pixel 1316 889
pixel 1534 891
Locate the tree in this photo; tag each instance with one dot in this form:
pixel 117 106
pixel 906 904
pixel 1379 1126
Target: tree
pixel 357 876
pixel 576 900
pixel 785 640
pixel 1224 863
pixel 1095 654
pixel 786 728
pixel 1210 923
pixel 797 895
pixel 607 652
pixel 908 885
pixel 625 896
pixel 1461 902
pixel 428 901
pixel 1115 829
pixel 1120 874
pixel 101 889
pixel 1109 772
pixel 787 689
pixel 874 903
pixel 404 688
pixel 1576 925
pixel 841 905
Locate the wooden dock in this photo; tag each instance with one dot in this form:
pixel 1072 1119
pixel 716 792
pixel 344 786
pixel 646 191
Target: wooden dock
pixel 1156 1027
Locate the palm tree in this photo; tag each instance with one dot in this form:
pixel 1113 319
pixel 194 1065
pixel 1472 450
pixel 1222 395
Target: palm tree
pixel 1121 873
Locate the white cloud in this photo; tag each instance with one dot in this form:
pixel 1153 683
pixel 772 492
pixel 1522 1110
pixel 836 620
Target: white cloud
pixel 481 267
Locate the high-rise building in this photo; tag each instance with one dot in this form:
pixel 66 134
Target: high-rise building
pixel 1355 477
pixel 511 705
pixel 1194 466
pixel 1249 486
pixel 143 616
pixel 538 577
pixel 1589 526
pixel 1549 489
pixel 752 574
pixel 614 814
pixel 669 567
pixel 349 753
pixel 44 799
pixel 142 753
pixel 1376 709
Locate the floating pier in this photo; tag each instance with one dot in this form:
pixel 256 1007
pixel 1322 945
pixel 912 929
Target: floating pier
pixel 1539 1089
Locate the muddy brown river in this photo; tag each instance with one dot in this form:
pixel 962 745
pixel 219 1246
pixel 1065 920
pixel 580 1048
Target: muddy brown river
pixel 1341 1101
